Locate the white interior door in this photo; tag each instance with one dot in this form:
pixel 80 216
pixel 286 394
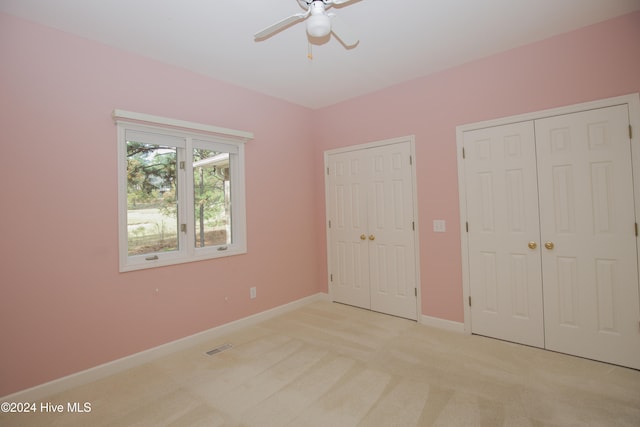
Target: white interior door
pixel 589 259
pixel 372 243
pixel 503 233
pixel 391 230
pixel 348 183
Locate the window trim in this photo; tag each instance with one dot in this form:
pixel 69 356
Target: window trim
pixel 189 131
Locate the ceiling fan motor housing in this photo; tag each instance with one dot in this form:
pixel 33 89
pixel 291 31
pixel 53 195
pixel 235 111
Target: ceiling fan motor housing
pixel 319 23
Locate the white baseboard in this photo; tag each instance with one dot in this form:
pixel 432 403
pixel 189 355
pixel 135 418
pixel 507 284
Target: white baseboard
pixel 448 325
pixel 101 371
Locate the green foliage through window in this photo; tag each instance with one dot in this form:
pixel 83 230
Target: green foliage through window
pixel 151 198
pixel 211 173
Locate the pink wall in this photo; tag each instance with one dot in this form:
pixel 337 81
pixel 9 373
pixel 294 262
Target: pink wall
pixel 596 62
pixel 64 306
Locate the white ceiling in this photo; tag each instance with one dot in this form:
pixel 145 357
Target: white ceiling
pixel 399 40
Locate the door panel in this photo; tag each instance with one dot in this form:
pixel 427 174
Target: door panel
pixel 505 277
pixel 590 276
pixel 391 225
pixel 348 207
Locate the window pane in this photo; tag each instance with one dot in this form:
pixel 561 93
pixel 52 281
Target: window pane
pixel 152 220
pixel 212 198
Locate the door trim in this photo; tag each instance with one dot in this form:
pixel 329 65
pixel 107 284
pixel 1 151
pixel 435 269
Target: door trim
pixel 633 103
pixel 412 149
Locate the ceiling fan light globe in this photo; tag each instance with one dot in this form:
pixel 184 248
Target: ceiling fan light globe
pixel 318 25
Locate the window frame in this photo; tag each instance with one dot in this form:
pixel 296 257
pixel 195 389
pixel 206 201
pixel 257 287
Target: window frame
pixel 191 135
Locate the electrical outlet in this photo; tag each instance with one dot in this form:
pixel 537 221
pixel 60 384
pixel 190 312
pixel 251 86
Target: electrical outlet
pixel 439 226
pixel 252 292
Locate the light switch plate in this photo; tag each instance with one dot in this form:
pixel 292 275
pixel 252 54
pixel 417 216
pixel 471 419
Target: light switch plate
pixel 439 226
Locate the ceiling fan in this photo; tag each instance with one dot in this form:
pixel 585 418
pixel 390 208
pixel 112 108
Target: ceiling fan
pixel 319 22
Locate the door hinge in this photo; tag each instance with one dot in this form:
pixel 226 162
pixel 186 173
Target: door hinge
pixel 413 225
pixel 329 223
pixel 416 291
pixel 331 277
pixel 636 227
pixel 411 160
pixel 182 165
pixel 630 132
pixel 463 154
pixel 467 226
pixel 327 171
pixel 469 301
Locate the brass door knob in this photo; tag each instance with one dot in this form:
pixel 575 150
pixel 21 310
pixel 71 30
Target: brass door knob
pixel 549 245
pixel 532 245
pixel 363 237
pixel 372 237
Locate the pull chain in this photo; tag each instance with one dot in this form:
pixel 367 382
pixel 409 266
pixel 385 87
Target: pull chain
pixel 310 52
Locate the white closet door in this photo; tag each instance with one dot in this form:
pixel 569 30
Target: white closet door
pixel 502 211
pixel 390 218
pixel 372 254
pixel 590 274
pixel 348 183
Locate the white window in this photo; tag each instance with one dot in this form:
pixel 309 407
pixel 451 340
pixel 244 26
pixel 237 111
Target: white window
pixel 180 189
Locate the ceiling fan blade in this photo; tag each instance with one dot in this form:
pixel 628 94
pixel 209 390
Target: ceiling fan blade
pixel 342 33
pixel 272 29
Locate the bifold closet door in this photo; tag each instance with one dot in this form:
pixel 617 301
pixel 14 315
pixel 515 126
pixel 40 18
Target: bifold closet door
pixel 372 240
pixel 503 233
pixel 589 258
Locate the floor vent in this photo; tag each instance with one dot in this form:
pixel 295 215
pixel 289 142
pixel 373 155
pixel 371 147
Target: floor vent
pixel 220 349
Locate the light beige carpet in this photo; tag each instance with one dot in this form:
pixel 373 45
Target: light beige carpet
pixel 334 365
